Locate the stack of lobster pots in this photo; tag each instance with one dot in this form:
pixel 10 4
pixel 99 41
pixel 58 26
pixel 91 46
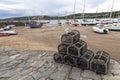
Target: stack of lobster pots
pixel 73 51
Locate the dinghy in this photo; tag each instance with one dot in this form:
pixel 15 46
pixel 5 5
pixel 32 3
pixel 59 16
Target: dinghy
pixel 100 29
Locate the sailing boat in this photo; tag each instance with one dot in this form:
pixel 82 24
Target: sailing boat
pixel 67 20
pixel 96 20
pixel 113 27
pixel 84 21
pixel 75 21
pixel 58 20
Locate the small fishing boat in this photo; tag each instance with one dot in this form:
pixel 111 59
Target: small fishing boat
pixel 99 28
pixel 34 24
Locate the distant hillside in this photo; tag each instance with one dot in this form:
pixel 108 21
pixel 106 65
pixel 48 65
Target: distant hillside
pixel 115 14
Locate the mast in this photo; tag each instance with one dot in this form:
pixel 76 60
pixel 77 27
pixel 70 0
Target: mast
pixel 58 17
pixel 28 18
pixel 84 10
pixel 66 15
pixel 74 9
pixel 97 12
pixel 111 9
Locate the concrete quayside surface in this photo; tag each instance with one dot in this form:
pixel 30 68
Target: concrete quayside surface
pixel 39 65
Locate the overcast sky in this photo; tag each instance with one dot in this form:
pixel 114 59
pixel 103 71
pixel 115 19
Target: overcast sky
pixel 14 8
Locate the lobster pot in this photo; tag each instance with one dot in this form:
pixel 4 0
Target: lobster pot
pixel 59 58
pixel 70 60
pixel 70 37
pixel 84 48
pixel 84 61
pixel 100 62
pixel 62 48
pixel 77 49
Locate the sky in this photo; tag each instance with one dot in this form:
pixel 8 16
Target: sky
pixel 17 8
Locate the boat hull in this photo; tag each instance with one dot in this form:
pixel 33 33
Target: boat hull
pixel 114 28
pixel 4 35
pixel 8 32
pixel 100 30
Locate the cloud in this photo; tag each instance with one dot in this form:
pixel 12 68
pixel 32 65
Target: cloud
pixel 9 8
pixel 107 5
pixel 6 13
pixel 94 3
pixel 11 1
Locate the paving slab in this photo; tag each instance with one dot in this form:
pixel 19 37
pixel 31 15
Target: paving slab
pixel 39 65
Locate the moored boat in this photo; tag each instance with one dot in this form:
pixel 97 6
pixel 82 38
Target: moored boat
pixel 8 32
pixel 34 24
pixel 99 28
pixel 113 27
pixel 4 35
pixel 75 23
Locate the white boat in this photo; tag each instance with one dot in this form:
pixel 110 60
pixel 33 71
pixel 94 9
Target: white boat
pixel 75 22
pixel 100 29
pixel 11 25
pixel 113 27
pixel 67 22
pixel 86 22
pixel 7 27
pixel 8 32
pixel 1 29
